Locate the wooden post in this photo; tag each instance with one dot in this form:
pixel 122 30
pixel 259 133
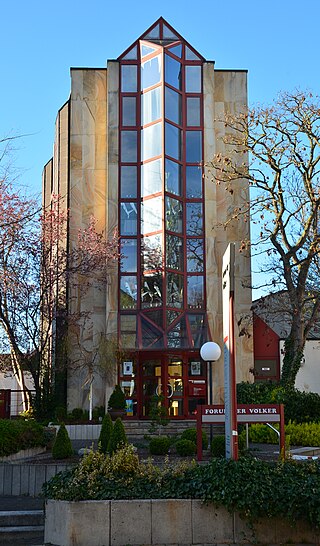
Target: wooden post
pixel 282 433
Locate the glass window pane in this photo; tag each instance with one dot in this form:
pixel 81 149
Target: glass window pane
pixel 194 218
pixel 173 72
pixel 128 292
pixel 146 49
pixel 173 105
pixel 131 55
pixel 151 141
pixel 173 177
pixel 173 141
pixel 128 181
pixel 190 56
pixel 194 255
pixel 174 252
pixel 168 34
pixel 177 337
pixel 195 292
pixel 151 177
pixel 151 72
pixel 193 79
pixel 151 253
pixel 156 316
pixel 175 367
pixel 154 33
pixel 129 78
pixel 129 111
pixel 128 219
pixel 193 111
pixel 151 336
pixel 128 146
pixel 151 215
pixel 172 316
pixel 128 326
pixel 174 215
pixel 151 291
pixel 151 106
pixel 176 50
pixel 198 330
pixel 193 146
pixel 174 290
pixel 128 255
pixel 194 182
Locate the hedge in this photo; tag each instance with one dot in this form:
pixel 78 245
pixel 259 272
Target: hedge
pixel 16 435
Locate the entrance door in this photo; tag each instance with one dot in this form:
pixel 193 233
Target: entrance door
pixel 169 376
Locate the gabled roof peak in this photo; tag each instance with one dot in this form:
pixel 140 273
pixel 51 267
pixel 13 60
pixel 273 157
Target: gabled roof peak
pixel 161 33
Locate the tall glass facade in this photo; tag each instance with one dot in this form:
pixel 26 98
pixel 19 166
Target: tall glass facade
pixel 162 294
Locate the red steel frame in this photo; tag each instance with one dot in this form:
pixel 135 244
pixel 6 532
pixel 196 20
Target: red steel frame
pixel 163 50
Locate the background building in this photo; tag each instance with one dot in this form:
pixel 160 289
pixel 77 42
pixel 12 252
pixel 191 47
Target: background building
pixel 130 148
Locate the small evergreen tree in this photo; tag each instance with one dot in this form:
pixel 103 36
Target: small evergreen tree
pixel 117 399
pixel 105 433
pixel 62 447
pixel 118 437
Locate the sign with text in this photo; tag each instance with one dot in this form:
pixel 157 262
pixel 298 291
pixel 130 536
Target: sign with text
pixel 257 413
pixel 246 413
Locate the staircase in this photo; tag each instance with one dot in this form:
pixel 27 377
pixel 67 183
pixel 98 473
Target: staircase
pixel 22 527
pixel 138 429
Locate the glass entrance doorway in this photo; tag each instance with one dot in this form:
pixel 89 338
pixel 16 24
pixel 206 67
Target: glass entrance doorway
pixel 180 379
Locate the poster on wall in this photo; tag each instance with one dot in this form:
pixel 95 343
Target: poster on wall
pixel 195 368
pixel 129 408
pixel 127 368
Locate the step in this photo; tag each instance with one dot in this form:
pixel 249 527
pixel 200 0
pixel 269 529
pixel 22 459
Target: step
pixel 21 518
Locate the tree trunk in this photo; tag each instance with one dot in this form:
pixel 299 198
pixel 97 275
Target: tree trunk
pixel 294 347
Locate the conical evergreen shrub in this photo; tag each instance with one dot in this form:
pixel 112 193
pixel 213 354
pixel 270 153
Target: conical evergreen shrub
pixel 105 433
pixel 62 447
pixel 118 437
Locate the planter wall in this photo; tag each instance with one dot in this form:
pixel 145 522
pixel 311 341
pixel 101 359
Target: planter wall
pixel 161 523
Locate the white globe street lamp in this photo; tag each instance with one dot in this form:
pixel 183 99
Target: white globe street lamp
pixel 210 352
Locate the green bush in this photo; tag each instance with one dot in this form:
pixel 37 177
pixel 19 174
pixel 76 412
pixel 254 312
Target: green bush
pixel 98 413
pixel 185 447
pixel 191 434
pixel 105 433
pixel 117 399
pixel 118 437
pixel 77 414
pixel 159 445
pixel 301 434
pixel 62 447
pixel 301 407
pixel 218 448
pixel 18 434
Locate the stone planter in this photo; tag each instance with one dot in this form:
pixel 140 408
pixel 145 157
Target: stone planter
pixel 161 522
pixel 115 413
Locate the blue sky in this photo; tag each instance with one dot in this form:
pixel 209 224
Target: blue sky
pixel 277 41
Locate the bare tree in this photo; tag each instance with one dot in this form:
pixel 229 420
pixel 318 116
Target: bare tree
pixel 283 142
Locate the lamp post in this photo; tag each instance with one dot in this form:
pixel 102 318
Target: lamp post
pixel 210 352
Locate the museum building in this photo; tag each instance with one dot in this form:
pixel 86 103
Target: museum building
pixel 131 147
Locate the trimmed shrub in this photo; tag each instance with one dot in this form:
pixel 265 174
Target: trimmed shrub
pixel 18 434
pixel 117 399
pixel 159 445
pixel 62 447
pixel 185 447
pixel 105 433
pixel 118 437
pixel 191 434
pixel 218 448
